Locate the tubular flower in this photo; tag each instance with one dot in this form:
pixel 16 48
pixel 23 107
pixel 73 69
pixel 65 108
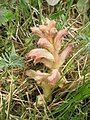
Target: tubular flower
pixel 50 55
pixel 54 77
pixel 44 43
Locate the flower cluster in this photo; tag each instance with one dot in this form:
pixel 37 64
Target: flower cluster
pixel 49 53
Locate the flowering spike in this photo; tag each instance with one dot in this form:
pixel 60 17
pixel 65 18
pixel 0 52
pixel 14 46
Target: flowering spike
pixel 50 55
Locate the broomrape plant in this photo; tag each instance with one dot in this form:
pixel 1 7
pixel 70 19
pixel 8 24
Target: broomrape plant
pixel 50 55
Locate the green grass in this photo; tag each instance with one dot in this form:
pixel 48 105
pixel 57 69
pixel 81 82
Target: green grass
pixel 17 92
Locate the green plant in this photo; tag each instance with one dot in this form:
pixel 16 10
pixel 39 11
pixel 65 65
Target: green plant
pixel 5 16
pixel 11 60
pixel 50 55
